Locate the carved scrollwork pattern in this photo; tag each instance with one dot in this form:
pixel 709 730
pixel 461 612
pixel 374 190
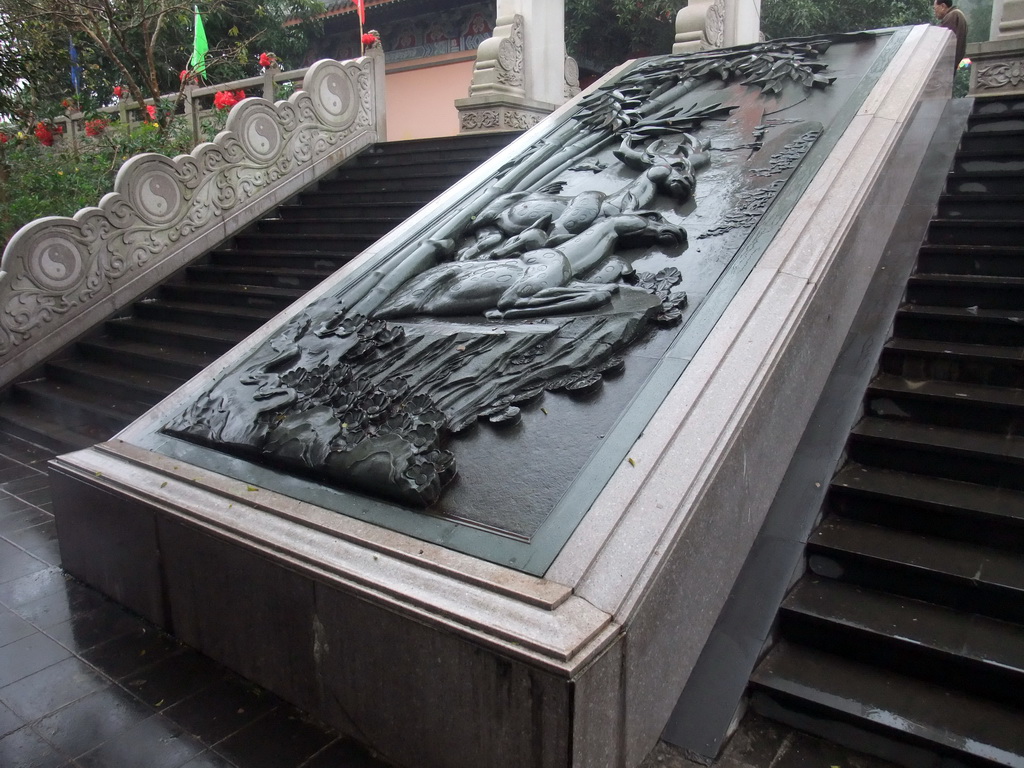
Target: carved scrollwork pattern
pixel 55 267
pixel 511 56
pixel 520 121
pixel 480 120
pixel 714 26
pixel 572 77
pixel 1001 75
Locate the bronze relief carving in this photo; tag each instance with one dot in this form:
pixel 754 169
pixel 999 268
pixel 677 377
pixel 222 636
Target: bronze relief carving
pixel 547 281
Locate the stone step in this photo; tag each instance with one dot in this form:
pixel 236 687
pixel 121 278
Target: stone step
pixel 932 506
pixel 350 243
pixel 255 296
pixel 327 225
pixel 893 716
pixel 1009 119
pixel 954 574
pixel 354 209
pixel 416 193
pixel 971 260
pixel 986 182
pixel 165 360
pixel 995 135
pixel 245 319
pixel 78 408
pixel 960 405
pixel 954 362
pixel 984 232
pixel 118 382
pixel 470 142
pixel 372 179
pixel 982 291
pixel 24 423
pixel 388 156
pixel 318 265
pixel 957 650
pixel 980 206
pixel 936 451
pixel 214 340
pixel 951 361
pixel 985 160
pixel 296 278
pixel 968 325
pixel 398 167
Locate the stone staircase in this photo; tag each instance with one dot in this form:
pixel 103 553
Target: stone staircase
pixel 905 637
pixel 103 382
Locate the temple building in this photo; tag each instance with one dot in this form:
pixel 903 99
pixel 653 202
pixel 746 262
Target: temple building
pixel 430 48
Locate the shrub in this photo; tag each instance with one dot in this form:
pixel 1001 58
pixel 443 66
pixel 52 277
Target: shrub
pixel 47 179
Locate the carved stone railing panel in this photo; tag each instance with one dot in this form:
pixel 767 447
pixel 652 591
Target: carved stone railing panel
pixel 60 276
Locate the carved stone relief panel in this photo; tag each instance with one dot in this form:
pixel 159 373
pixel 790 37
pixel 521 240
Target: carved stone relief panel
pixel 528 319
pixel 1000 75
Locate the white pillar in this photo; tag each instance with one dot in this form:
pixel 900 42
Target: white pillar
pixel 544 39
pixel 1011 21
pixel 743 22
pixel 997 15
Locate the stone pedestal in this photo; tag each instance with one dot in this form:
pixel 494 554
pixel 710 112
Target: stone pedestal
pixel 521 72
pixel 997 66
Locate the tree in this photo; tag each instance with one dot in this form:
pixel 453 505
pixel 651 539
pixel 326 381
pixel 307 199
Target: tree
pixel 141 45
pixel 27 52
pixel 601 34
pixel 794 18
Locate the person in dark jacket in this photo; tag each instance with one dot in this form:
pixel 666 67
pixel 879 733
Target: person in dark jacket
pixel 953 19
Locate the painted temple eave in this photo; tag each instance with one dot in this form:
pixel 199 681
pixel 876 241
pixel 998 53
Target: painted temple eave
pixel 341 8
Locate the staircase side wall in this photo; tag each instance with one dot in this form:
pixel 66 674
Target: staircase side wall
pixel 60 277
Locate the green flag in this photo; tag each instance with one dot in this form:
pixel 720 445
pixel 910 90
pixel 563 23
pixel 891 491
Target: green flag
pixel 199 48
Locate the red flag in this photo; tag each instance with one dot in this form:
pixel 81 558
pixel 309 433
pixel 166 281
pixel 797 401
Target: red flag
pixel 361 7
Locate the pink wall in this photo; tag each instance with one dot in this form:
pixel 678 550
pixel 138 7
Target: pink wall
pixel 421 102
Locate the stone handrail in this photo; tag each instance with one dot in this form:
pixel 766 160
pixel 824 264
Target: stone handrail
pixel 124 109
pixel 60 276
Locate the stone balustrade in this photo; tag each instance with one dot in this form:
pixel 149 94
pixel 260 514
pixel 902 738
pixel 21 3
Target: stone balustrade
pixel 61 276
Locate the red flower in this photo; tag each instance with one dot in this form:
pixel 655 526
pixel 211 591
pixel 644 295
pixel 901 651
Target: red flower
pixel 369 39
pixel 184 74
pixel 151 112
pixel 227 99
pixel 118 90
pixel 44 135
pixel 95 127
pixel 267 59
pixel 58 128
pixel 3 138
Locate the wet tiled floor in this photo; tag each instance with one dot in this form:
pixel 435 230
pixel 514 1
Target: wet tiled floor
pixel 85 683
